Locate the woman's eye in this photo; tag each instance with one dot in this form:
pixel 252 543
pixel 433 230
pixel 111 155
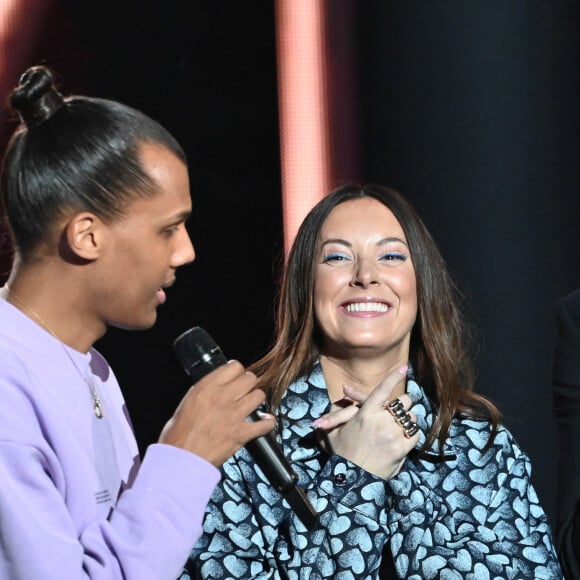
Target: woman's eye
pixel 393 257
pixel 336 257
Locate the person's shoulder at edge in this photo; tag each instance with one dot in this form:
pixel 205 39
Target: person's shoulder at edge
pixel 571 301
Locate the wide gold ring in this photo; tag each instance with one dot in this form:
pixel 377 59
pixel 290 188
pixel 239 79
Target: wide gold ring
pixel 402 417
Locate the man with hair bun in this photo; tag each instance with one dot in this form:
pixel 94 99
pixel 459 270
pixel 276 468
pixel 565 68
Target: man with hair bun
pixel 96 196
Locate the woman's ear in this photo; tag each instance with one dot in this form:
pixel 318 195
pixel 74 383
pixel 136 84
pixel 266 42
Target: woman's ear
pixel 83 235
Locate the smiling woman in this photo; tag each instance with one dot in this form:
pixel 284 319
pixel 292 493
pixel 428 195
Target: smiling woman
pixel 364 295
pixel 411 471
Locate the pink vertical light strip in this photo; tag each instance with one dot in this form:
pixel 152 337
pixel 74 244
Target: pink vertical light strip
pixel 11 23
pixel 20 21
pixel 304 138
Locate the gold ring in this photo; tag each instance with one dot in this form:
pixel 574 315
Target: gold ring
pixel 402 417
pixel 410 429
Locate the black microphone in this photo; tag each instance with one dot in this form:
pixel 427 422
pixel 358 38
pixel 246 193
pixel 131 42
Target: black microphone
pixel 199 355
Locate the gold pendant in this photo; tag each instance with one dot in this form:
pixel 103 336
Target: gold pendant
pixel 98 409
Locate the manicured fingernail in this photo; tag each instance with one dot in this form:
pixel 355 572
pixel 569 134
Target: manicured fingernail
pixel 317 423
pixel 403 369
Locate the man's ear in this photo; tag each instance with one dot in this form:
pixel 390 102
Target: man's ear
pixel 84 235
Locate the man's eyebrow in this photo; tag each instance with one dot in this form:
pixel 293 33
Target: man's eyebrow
pixel 180 217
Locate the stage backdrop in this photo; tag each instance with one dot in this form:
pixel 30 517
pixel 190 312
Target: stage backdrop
pixel 469 108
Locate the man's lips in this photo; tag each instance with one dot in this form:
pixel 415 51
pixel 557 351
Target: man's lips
pixel 161 296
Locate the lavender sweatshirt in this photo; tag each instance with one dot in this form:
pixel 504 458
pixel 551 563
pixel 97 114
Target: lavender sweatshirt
pixel 75 500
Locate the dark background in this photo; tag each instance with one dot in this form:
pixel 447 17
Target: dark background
pixel 469 108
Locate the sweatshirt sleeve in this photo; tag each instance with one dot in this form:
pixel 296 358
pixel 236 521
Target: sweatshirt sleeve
pixel 76 502
pixel 147 534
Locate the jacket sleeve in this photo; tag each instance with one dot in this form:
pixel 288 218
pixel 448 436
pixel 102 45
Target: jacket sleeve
pixel 232 545
pixel 489 524
pixel 249 533
pixel 566 401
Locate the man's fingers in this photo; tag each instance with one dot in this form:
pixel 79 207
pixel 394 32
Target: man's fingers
pixel 224 373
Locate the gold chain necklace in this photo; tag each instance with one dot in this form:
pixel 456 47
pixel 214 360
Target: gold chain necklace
pixel 97 405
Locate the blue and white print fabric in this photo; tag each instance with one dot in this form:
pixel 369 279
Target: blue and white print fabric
pixel 471 516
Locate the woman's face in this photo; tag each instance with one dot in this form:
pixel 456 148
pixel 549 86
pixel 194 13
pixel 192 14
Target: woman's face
pixel 365 293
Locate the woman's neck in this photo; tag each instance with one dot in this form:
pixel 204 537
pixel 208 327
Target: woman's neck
pixel 362 374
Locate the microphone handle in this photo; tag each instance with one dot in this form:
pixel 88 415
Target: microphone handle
pixel 264 449
pixel 268 455
pixel 272 461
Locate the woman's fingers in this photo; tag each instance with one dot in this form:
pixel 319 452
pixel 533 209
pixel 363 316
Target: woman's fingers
pixel 338 416
pixel 354 394
pixel 358 397
pixel 381 394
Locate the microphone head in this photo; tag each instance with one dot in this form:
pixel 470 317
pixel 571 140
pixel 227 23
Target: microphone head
pixel 193 344
pixel 198 352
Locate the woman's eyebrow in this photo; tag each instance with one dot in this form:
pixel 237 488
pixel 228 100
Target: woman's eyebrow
pixel 392 239
pixel 336 241
pixel 381 242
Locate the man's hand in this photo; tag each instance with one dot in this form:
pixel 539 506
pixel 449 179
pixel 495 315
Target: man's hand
pixel 211 420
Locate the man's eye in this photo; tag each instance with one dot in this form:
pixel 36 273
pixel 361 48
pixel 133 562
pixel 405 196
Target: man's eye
pixel 170 231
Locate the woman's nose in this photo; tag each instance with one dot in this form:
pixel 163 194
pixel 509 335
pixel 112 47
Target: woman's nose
pixel 365 273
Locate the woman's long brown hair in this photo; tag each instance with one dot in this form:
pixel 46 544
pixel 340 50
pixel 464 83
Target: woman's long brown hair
pixel 440 349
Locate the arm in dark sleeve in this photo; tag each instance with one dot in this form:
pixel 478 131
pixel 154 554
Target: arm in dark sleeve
pixel 566 405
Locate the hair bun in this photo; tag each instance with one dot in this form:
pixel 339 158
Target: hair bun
pixel 36 98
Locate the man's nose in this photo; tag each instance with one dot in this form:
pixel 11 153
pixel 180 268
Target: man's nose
pixel 185 252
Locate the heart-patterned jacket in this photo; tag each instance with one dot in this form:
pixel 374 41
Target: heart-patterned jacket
pixel 466 514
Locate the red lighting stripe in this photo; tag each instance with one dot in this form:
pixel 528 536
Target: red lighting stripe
pixel 20 22
pixel 304 134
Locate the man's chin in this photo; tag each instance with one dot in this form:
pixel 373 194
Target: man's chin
pixel 137 325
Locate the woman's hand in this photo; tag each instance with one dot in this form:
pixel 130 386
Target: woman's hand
pixel 361 429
